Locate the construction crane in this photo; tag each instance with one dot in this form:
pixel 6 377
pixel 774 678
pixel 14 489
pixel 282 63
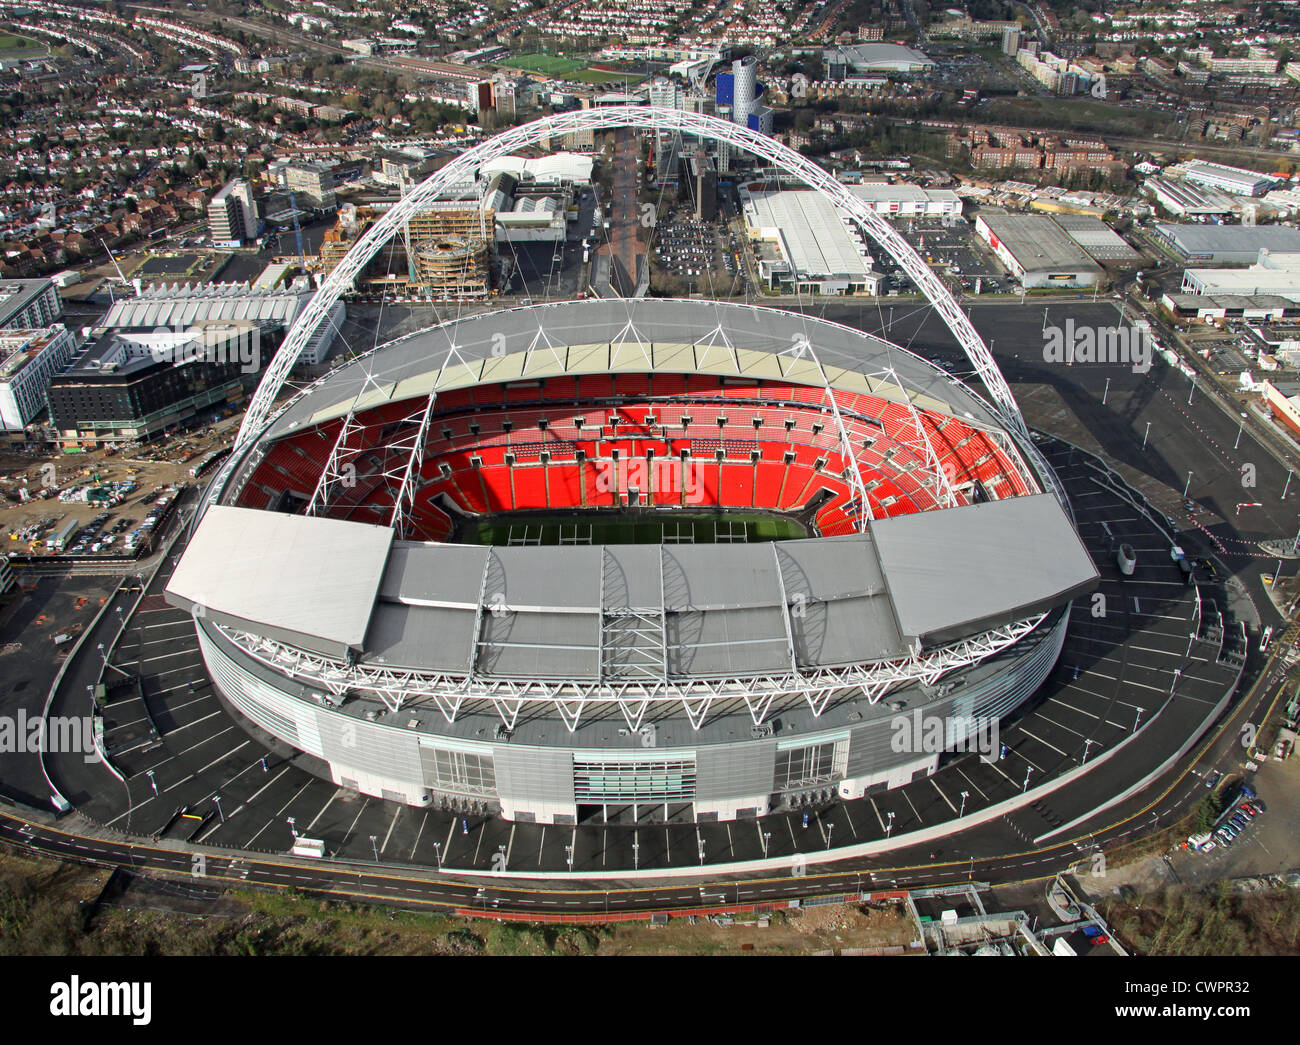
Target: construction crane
pixel 125 282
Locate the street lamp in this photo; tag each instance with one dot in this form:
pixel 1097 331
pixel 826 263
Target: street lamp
pixel 701 852
pixel 829 829
pixel 374 845
pixel 568 856
pixel 293 830
pixel 152 782
pixel 1188 485
pixel 889 826
pixel 767 837
pixel 1146 435
pixel 636 855
pixel 1105 392
pixel 1087 744
pixel 1025 785
pixel 962 812
pixel 1287 486
pixel 217 800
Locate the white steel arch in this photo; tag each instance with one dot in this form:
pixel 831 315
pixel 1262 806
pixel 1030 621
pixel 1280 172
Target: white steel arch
pixel 644 117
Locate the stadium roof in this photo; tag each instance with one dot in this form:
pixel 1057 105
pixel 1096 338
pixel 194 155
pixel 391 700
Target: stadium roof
pixel 306 581
pixel 914 581
pixel 632 336
pixel 940 565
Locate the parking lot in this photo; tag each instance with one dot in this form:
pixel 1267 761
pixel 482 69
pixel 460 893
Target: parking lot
pixel 102 496
pixel 699 253
pixel 955 250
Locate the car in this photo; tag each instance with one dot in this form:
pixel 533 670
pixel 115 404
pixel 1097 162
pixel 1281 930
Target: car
pixel 1259 805
pixel 1240 821
pixel 1212 781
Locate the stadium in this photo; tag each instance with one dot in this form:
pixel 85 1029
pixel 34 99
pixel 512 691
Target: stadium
pixel 630 560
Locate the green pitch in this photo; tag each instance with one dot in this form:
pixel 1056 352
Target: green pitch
pixel 631 528
pixel 552 65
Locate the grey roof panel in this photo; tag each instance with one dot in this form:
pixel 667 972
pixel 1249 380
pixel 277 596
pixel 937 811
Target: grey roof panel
pixel 301 574
pixel 952 571
pixel 420 637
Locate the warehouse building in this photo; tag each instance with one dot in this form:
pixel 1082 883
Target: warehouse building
pixel 1185 200
pixel 1227 244
pixel 1037 251
pixel 1103 244
pixel 908 201
pixel 1236 180
pixel 1277 274
pixel 809 247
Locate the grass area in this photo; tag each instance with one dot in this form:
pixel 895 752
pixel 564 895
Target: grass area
pixel 550 64
pixel 1077 113
pixel 1216 921
pixel 43 905
pixel 10 42
pixel 618 528
pixel 599 76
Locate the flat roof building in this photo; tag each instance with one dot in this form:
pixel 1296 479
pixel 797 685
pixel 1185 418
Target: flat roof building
pixel 1102 243
pixel 1037 251
pixel 904 200
pixel 1183 199
pixel 1227 244
pixel 28 360
pixel 817 253
pixel 27 304
pixel 1236 180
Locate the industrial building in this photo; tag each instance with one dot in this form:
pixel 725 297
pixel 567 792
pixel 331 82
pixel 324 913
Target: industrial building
pixel 1037 251
pixel 1235 180
pixel 28 360
pixel 1185 200
pixel 27 304
pixel 1103 244
pixel 1227 244
pixel 904 200
pixel 1212 307
pixel 1277 274
pixel 810 249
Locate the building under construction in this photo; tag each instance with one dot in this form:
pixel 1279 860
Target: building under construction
pixel 442 252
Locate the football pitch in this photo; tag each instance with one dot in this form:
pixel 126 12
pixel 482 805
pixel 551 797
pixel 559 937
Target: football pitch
pixel 631 528
pixel 551 64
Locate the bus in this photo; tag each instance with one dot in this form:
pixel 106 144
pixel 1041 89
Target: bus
pixel 57 541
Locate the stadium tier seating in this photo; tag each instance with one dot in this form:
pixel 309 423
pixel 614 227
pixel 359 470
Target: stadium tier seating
pixel 586 441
